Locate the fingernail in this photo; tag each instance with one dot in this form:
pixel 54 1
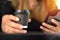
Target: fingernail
pixel 43 23
pixel 25 31
pixel 17 19
pixel 40 26
pixel 52 20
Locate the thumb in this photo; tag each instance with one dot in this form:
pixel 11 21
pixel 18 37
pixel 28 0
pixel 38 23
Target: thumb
pixel 29 20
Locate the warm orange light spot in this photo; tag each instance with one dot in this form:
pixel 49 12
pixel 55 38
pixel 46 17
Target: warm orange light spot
pixel 58 4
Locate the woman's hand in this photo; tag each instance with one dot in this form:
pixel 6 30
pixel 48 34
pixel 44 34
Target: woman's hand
pixel 11 27
pixel 51 29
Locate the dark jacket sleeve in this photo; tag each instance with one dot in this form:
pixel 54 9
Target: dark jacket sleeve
pixel 5 8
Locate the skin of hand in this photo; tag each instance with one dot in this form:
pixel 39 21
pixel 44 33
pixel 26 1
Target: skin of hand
pixel 51 29
pixel 11 27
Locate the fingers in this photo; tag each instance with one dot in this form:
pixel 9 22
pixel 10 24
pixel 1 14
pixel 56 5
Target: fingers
pixel 9 26
pixel 55 22
pixel 11 30
pixel 19 31
pixel 11 17
pixel 15 25
pixel 49 26
pixel 46 30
